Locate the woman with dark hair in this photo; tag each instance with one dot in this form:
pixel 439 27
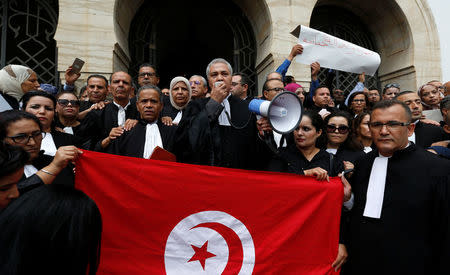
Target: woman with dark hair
pixel 53 230
pixel 339 142
pixel 304 156
pixel 361 132
pixel 22 129
pixel 12 161
pixel 43 105
pixel 357 103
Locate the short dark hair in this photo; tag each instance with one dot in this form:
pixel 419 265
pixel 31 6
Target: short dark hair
pixel 11 116
pixel 149 65
pixel 149 86
pixel 27 96
pixel 320 87
pixel 65 92
pixel 384 104
pixel 404 93
pixel 98 76
pixel 52 229
pixel 12 158
pixel 244 78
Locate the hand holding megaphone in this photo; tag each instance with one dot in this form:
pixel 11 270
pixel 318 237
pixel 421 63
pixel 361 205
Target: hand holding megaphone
pixel 263 126
pixel 219 91
pixel 284 112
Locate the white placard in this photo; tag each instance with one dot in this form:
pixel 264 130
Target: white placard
pixel 334 53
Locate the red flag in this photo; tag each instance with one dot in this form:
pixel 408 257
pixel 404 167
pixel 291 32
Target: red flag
pixel 171 218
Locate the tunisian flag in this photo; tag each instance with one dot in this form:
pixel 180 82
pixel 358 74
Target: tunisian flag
pixel 169 218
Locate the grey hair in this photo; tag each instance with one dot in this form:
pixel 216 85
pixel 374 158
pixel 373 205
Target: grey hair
pixel 147 87
pixel 202 78
pixel 218 60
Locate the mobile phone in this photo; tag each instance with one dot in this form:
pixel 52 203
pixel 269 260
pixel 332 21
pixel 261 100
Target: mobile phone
pixel 218 83
pixel 77 65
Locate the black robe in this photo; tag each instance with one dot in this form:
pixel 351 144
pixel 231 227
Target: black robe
pixel 217 145
pixel 344 155
pixel 102 121
pixel 291 160
pixel 413 234
pixel 427 134
pixel 65 177
pixel 132 142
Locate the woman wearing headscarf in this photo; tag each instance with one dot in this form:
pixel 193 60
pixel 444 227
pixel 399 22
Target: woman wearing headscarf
pixel 179 95
pixel 15 81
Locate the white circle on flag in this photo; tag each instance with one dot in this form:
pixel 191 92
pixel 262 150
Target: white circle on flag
pixel 198 232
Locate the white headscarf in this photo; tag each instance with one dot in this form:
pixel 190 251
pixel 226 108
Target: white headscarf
pixel 11 79
pixel 172 84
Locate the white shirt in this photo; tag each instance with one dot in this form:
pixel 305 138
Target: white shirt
pixel 223 119
pixel 29 170
pixel 332 151
pixel 277 138
pixel 68 130
pixel 377 184
pixel 367 149
pixel 177 119
pixel 413 136
pixel 48 145
pixel 152 139
pixel 121 114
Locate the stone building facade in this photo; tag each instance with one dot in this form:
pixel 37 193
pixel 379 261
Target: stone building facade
pixel 180 37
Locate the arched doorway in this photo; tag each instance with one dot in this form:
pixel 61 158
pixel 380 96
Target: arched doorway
pixel 26 33
pixel 182 37
pixel 344 24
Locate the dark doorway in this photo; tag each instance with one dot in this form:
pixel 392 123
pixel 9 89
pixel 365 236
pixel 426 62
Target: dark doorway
pixel 344 24
pixel 181 37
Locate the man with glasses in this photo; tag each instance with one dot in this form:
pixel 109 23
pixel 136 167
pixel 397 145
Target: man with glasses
pixel 424 134
pixel 399 223
pixel 239 86
pixel 147 75
pixel 390 91
pixel 199 86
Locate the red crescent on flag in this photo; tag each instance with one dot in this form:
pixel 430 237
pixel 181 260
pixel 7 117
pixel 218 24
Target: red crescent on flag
pixel 235 250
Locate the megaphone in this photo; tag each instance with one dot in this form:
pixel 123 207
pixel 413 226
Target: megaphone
pixel 284 112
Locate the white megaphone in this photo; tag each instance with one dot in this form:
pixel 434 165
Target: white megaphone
pixel 284 112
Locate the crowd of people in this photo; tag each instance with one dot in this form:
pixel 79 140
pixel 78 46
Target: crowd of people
pixel 390 148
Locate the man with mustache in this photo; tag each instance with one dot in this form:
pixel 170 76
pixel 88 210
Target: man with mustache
pixel 110 121
pixel 399 223
pixel 149 132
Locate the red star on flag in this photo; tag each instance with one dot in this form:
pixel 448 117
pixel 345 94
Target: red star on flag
pixel 201 254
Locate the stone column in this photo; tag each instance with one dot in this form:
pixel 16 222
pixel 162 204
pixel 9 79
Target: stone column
pixel 86 30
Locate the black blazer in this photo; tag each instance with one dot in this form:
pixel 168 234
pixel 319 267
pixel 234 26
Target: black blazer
pixel 427 134
pixel 414 225
pixel 132 142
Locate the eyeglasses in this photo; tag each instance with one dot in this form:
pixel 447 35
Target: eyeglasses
pixel 341 129
pixel 390 125
pixel 196 82
pixel 24 138
pixel 147 74
pixel 279 89
pixel 65 102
